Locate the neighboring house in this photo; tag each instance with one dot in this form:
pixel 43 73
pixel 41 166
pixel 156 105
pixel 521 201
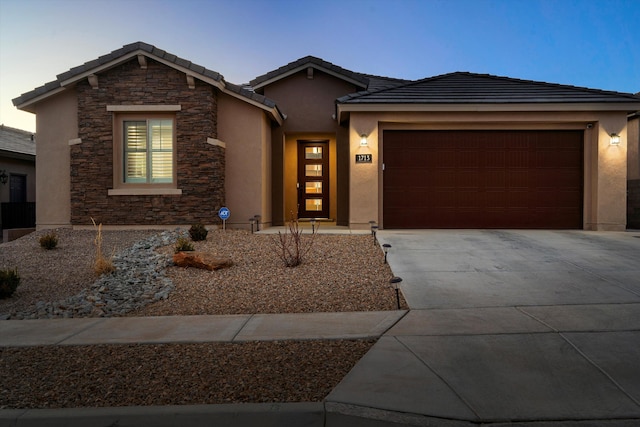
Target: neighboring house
pixel 17 178
pixel 142 137
pixel 633 168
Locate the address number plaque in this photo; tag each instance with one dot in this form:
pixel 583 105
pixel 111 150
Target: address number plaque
pixel 364 158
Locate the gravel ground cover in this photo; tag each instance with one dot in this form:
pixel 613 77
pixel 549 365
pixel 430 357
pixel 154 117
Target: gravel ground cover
pixel 172 374
pixel 340 273
pixel 53 275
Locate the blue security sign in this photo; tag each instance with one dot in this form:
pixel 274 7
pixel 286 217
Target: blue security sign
pixel 224 213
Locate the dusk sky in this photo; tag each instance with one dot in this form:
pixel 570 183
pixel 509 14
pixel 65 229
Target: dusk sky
pixel 589 43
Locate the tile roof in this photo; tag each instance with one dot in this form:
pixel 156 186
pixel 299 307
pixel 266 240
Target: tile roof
pixel 365 81
pixel 125 53
pixel 17 141
pixel 471 88
pixel 302 63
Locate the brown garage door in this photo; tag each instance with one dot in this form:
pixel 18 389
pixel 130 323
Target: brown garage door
pixel 482 179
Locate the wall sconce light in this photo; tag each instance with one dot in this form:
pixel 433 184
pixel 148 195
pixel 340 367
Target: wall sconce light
pixel 615 139
pixel 4 177
pixel 363 140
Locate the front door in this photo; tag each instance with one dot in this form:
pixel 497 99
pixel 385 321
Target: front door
pixel 17 188
pixel 313 179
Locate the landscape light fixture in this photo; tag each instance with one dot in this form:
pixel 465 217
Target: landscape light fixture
pixel 363 140
pixel 257 218
pixel 252 221
pixel 385 248
pixel 4 177
pixel 395 280
pixel 615 139
pixel 374 230
pixel 313 225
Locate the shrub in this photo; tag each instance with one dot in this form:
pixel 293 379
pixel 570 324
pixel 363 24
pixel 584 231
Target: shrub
pixel 183 244
pixel 49 240
pixel 198 232
pixel 292 247
pixel 9 281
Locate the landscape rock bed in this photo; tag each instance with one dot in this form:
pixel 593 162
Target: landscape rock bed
pixel 174 374
pixel 61 282
pixel 340 273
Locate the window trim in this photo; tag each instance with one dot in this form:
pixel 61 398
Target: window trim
pixel 120 187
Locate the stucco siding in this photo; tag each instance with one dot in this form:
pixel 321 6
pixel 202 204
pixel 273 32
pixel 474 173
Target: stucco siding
pixel 246 134
pixel 633 170
pixel 308 101
pixel 604 166
pixel 56 126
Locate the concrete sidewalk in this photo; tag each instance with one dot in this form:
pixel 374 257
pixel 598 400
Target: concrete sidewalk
pixel 193 329
pixel 506 328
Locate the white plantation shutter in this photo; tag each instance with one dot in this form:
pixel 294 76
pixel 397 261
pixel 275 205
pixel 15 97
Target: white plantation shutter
pixel 161 150
pixel 148 147
pixel 135 147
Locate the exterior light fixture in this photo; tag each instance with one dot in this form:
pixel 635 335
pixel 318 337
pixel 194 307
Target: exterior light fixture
pixel 395 282
pixel 385 248
pixel 252 221
pixel 374 230
pixel 313 225
pixel 615 139
pixel 363 140
pixel 257 218
pixel 4 177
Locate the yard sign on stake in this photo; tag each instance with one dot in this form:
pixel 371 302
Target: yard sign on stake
pixel 224 214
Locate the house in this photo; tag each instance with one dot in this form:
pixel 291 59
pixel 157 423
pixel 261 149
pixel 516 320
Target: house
pixel 141 137
pixel 633 168
pixel 17 178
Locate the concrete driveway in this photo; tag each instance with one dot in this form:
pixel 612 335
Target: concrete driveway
pixel 506 328
pixel 475 268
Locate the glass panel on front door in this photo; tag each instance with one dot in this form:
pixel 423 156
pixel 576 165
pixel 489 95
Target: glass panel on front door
pixel 313 153
pixel 313 179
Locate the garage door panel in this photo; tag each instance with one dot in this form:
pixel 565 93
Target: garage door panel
pixel 482 179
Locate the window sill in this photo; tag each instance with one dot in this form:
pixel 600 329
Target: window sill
pixel 145 192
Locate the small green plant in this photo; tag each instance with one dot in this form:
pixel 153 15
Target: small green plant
pixel 9 281
pixel 198 232
pixel 183 244
pixel 49 241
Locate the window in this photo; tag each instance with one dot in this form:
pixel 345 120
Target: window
pixel 148 151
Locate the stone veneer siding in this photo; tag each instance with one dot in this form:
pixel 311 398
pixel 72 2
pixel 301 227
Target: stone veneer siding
pixel 633 204
pixel 200 166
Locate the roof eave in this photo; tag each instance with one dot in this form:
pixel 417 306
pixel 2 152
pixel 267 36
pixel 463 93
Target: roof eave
pixel 273 112
pixel 29 104
pixel 343 110
pixel 218 83
pixel 304 67
pixel 17 155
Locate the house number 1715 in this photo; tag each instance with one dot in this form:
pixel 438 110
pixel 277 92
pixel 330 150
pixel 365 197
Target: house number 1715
pixel 364 158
